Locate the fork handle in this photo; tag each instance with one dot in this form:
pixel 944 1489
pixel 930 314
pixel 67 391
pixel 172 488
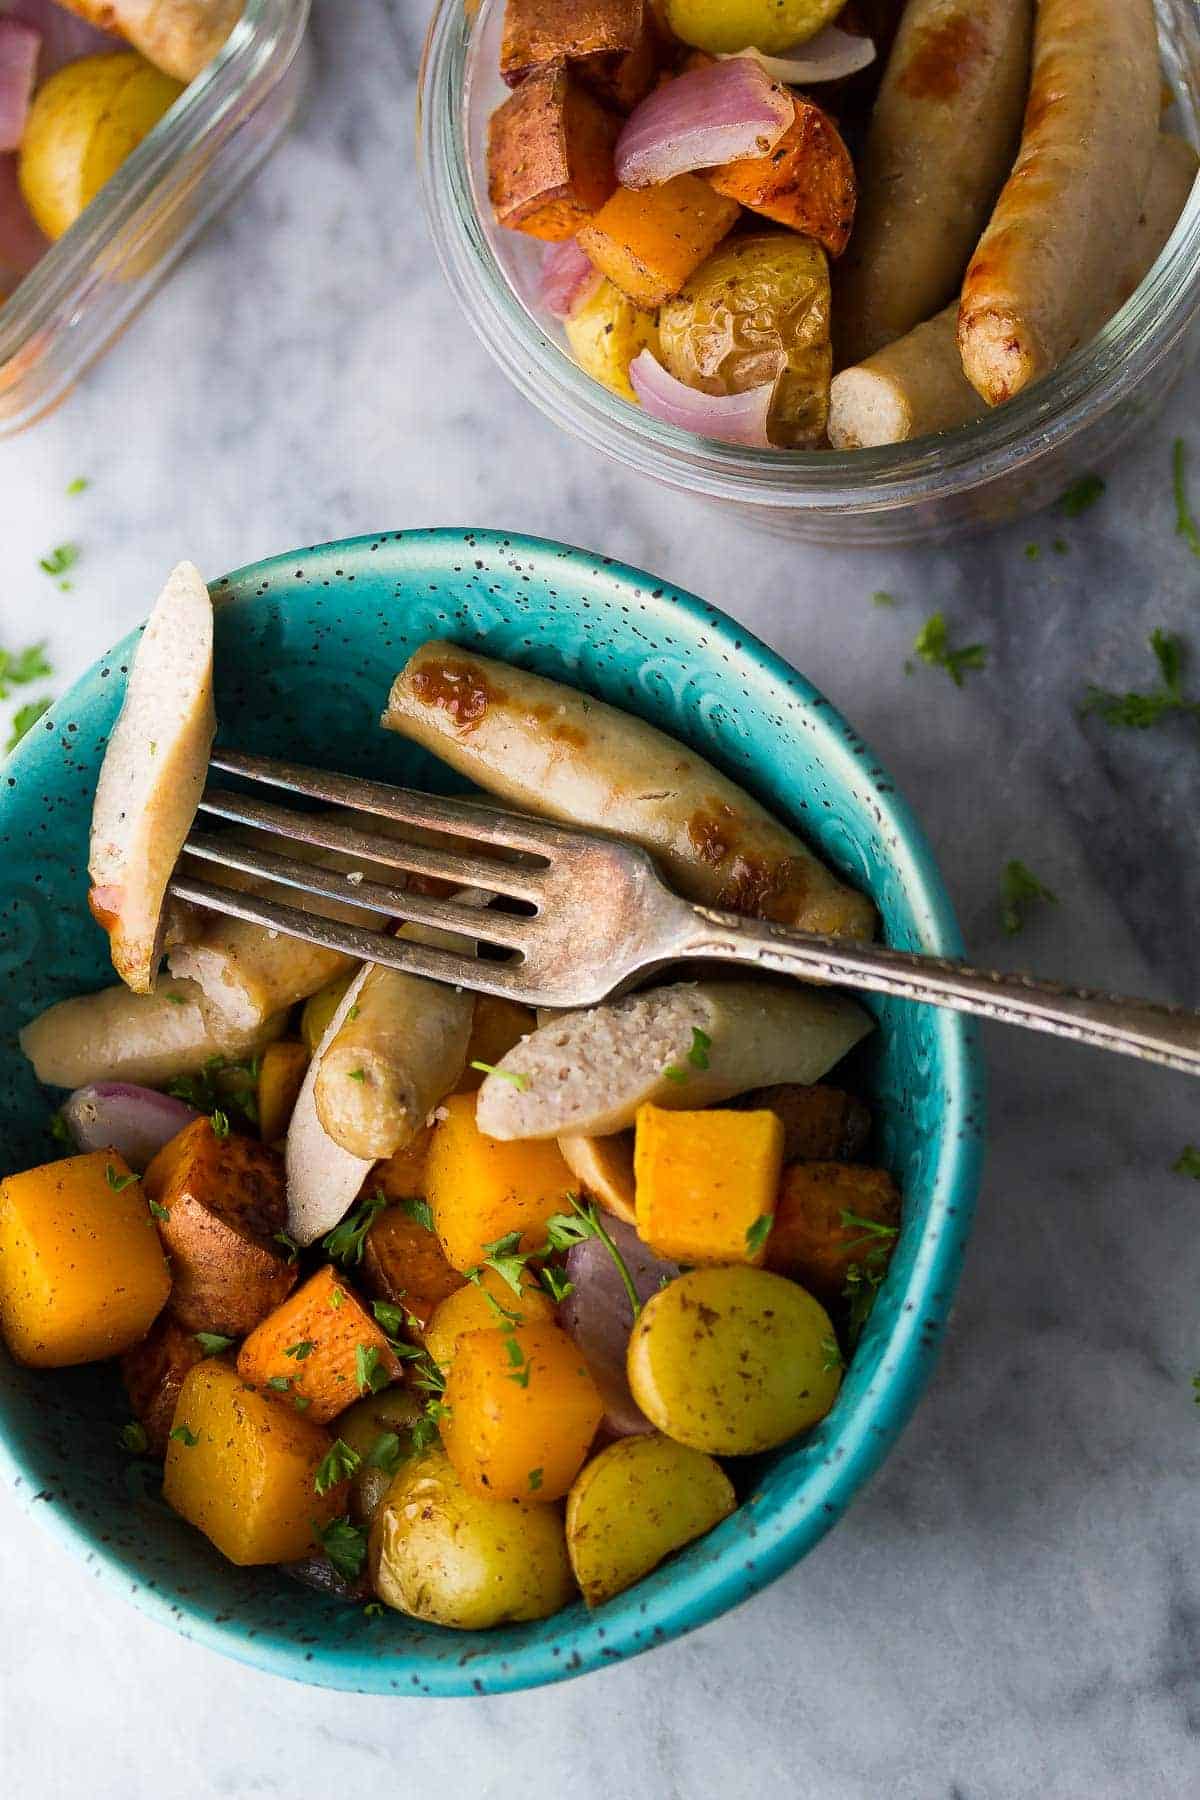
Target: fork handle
pixel 1154 1033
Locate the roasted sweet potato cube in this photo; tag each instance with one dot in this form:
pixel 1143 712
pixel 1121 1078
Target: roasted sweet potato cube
pixel 820 1124
pixel 321 1347
pixel 403 1262
pixel 550 156
pixel 807 181
pixel 648 241
pixel 610 44
pixel 224 1201
pixel 828 1216
pixel 153 1373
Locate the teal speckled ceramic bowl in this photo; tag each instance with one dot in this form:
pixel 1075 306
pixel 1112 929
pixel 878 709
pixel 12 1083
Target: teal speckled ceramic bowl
pixel 306 648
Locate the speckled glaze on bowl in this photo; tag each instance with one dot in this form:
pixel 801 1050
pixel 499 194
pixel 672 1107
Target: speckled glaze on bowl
pixel 307 646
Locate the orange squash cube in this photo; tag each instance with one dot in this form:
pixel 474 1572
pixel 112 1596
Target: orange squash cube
pixel 706 1183
pixel 480 1189
pixel 82 1271
pixel 310 1348
pixel 522 1410
pixel 471 1309
pixel 649 241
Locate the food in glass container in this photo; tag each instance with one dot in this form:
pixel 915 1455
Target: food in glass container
pixel 983 112
pixel 507 1364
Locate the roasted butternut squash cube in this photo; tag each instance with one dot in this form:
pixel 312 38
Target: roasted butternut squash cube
pixel 480 1189
pixel 221 1201
pixel 242 1468
pixel 706 1183
pixel 154 1372
pixel 829 1215
pixel 649 241
pixel 498 1024
pixel 806 182
pixel 521 1412
pixel 481 1305
pixel 281 1071
pixel 82 1272
pixel 403 1262
pixel 321 1346
pixel 820 1124
pixel 610 44
pixel 550 156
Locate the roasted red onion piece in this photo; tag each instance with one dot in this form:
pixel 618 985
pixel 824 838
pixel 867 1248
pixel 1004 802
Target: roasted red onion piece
pixel 830 56
pixel 117 1115
pixel 599 1317
pixel 719 114
pixel 65 38
pixel 20 46
pixel 21 243
pixel 568 278
pixel 730 418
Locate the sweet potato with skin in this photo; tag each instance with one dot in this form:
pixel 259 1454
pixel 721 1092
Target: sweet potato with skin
pixel 327 1316
pixel 820 1124
pixel 550 156
pixel 650 240
pixel 609 44
pixel 224 1202
pixel 181 37
pixel 807 181
pixel 403 1262
pixel 809 1240
pixel 154 1372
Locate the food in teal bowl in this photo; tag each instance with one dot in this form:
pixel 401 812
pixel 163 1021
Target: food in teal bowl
pixel 307 648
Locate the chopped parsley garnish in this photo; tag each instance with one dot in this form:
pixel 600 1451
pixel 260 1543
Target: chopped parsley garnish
pixel 345 1242
pixel 1196 1386
pixel 301 1402
pixel 354 1011
pixel 1020 888
pixel 338 1464
pixel 391 1317
pixel 298 1352
pixel 1187 1162
pixel 519 1369
pixel 220 1124
pixel 758 1233
pixel 535 1480
pixel 374 1609
pixel 1032 552
pixel 872 1230
pixel 289 1243
pixel 932 644
pixel 60 1131
pixel 356 1075
pixel 336 1298
pixel 24 720
pixel 701 1045
pixel 211 1342
pixel 345 1545
pixel 27 665
pixel 519 1081
pixel 133 1438
pixel 183 1434
pixel 863 1281
pixel 80 485
pixel 1185 524
pixel 555 1282
pixel 565 1229
pixel 386 1453
pixel 506 1258
pixel 59 560
pixel 672 1072
pixel 1060 547
pixel 177 999
pixel 157 1211
pixel 280 1383
pixel 369 1372
pixel 118 1183
pixel 833 1358
pixel 1081 495
pixel 1136 711
pixel 419 1211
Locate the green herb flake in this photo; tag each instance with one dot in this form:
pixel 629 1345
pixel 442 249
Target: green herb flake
pixel 565 1229
pixel 1135 711
pixel 1187 1162
pixel 80 485
pixel 519 1081
pixel 1081 495
pixel 280 1383
pixel 158 1212
pixel 881 598
pixel 758 1233
pixel 1060 547
pixel 555 1282
pixel 374 1609
pixel 301 1351
pixel 863 1281
pixel 220 1124
pixel 183 1434
pixel 369 1371
pixel 60 1131
pixel 289 1243
pixel 301 1402
pixel 385 1453
pixel 59 560
pixel 337 1299
pixel 27 665
pixel 1032 552
pixel 118 1183
pixel 359 1075
pixel 212 1343
pixel 932 644
pixel 833 1358
pixel 132 1437
pixel 1185 523
pixel 701 1045
pixel 177 999
pixel 418 1210
pixel 345 1242
pixel 672 1072
pixel 504 1255
pixel 1019 890
pixel 354 1011
pixel 391 1317
pixel 535 1480
pixel 24 720
pixel 338 1464
pixel 1196 1387
pixel 345 1545
pixel 872 1231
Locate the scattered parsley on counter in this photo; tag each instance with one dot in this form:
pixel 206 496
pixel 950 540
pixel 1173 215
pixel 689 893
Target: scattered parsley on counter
pixel 1032 552
pixel 1185 524
pixel 345 1545
pixel 133 1438
pixel 80 485
pixel 932 644
pixel 57 561
pixel 22 667
pixel 1187 1162
pixel 520 1082
pixel 1019 889
pixel 1081 495
pixel 338 1464
pixel 881 598
pixel 183 1434
pixel 24 720
pixel 211 1342
pixel 758 1233
pixel 1136 711
pixel 118 1183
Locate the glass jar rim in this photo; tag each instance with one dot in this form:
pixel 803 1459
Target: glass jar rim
pixel 1088 383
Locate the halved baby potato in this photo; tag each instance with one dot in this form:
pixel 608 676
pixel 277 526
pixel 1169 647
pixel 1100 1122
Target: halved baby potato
pixel 606 333
pixel 634 1504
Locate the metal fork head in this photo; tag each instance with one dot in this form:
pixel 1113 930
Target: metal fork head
pixel 594 911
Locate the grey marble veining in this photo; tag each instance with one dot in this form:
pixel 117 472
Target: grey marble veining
pixel 1012 1610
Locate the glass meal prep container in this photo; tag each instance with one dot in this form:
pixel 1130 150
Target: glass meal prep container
pixel 1014 460
pixel 91 283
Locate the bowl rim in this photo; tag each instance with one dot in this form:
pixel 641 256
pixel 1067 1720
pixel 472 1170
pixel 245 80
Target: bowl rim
pixel 1031 428
pixel 797 1523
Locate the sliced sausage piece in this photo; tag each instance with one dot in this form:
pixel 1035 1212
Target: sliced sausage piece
pixel 148 1038
pixel 551 750
pixel 1040 281
pixel 152 776
pixel 691 1045
pixel 323 1180
pixel 940 143
pixel 911 387
pixel 1172 177
pixel 603 1167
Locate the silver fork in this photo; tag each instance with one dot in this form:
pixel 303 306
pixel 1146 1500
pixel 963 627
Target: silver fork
pixel 599 915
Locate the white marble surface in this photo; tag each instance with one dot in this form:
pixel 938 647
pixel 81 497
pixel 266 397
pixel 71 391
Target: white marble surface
pixel 1013 1608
